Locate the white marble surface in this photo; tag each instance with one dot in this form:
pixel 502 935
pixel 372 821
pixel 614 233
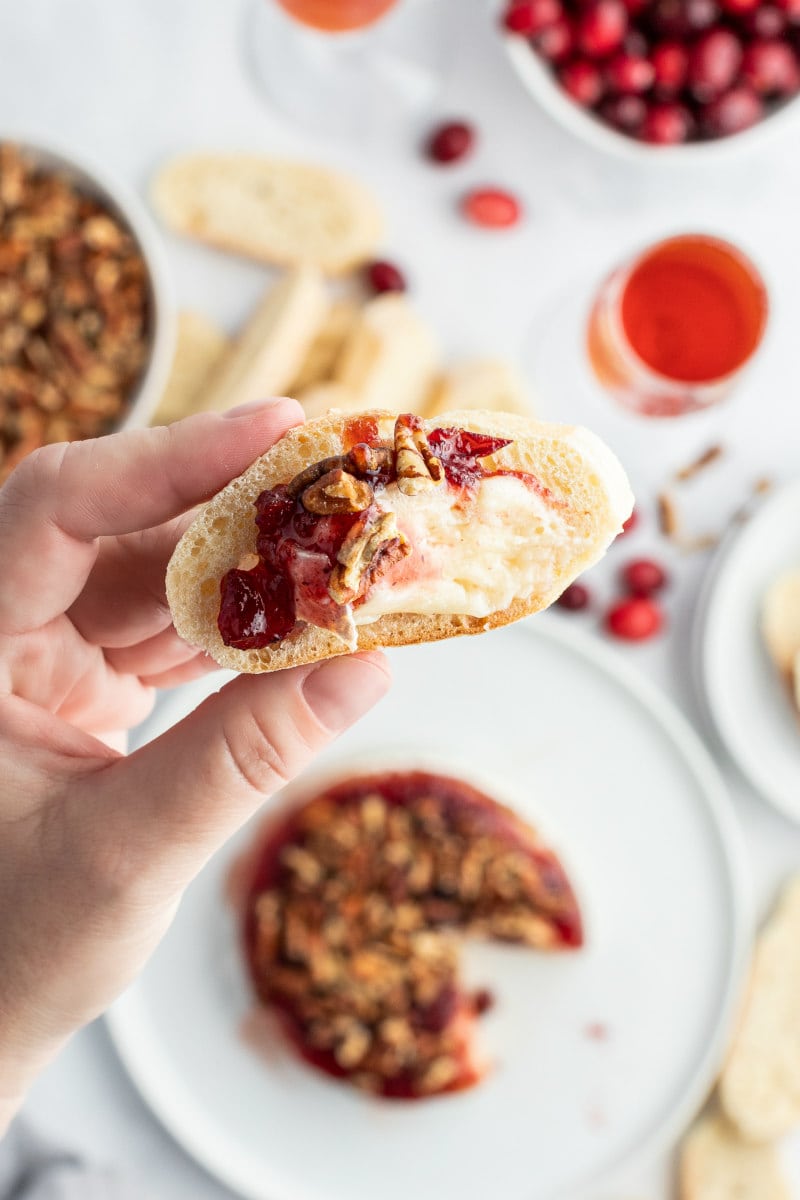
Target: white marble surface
pixel 137 80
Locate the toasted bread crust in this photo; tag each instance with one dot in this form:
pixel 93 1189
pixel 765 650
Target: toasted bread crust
pixel 574 465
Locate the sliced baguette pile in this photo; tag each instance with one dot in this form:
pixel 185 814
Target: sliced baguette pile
pixel 730 1153
pixel 581 473
pixel 328 349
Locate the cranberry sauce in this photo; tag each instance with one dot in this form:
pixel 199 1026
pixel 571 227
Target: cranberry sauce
pixel 298 549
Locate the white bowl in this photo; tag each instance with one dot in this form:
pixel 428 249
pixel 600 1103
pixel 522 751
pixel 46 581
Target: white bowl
pixel 124 205
pixel 538 78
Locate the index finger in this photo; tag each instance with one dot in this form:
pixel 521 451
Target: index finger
pixel 61 499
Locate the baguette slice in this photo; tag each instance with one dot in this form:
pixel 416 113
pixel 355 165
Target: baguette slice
pixel 323 398
pixel 796 680
pixel 317 367
pixel 273 343
pixel 780 621
pixel 716 1165
pixel 760 1084
pixel 199 352
pixel 389 358
pixel 279 212
pixel 528 545
pixel 489 384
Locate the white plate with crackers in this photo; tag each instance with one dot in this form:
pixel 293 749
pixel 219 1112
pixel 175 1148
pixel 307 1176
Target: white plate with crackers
pixel 600 1056
pixel 749 703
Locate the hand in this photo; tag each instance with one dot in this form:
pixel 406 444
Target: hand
pixel 96 848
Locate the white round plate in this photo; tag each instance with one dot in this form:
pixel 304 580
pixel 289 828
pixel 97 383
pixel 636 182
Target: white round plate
pixel 748 705
pixel 599 1056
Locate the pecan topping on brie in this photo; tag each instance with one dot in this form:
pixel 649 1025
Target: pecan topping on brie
pixel 370 546
pixel 417 466
pixel 337 492
pixel 339 462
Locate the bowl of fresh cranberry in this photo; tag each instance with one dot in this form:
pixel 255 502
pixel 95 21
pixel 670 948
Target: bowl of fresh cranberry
pixel 662 79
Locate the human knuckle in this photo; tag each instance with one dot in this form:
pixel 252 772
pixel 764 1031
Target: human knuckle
pixel 264 758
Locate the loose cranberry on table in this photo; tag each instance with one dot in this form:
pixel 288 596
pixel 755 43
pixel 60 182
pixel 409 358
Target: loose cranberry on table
pixel 450 142
pixel 574 598
pixel 635 619
pixel 643 576
pixel 631 523
pixel 491 207
pixel 385 277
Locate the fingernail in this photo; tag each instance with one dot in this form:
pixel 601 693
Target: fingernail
pixel 341 690
pixel 254 406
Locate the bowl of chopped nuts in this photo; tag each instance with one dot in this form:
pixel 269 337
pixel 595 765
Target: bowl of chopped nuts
pixel 86 324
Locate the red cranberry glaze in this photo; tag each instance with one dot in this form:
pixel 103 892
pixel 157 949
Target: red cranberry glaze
pixel 668 71
pixel 298 549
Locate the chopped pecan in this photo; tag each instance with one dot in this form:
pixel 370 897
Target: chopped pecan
pixel 337 492
pixel 418 468
pixel 337 462
pixel 370 546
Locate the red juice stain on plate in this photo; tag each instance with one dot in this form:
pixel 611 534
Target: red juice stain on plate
pixel 692 309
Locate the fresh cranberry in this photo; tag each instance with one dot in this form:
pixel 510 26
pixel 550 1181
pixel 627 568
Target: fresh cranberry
pixel 766 21
pixel 791 8
pixel 583 81
pixel 666 124
pixel 631 523
pixel 531 16
pixel 681 18
pixel 385 277
pixel 635 619
pixel 556 43
pixel 737 7
pixel 574 598
pixel 601 27
pixel 670 67
pixel 627 73
pixel 450 142
pixel 635 7
pixel 636 44
pixel 771 68
pixel 713 63
pixel 736 110
pixel 492 208
pixel 625 113
pixel 642 576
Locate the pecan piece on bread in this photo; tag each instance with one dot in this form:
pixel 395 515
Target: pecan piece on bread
pixel 337 491
pixel 370 546
pixel 339 462
pixel 418 468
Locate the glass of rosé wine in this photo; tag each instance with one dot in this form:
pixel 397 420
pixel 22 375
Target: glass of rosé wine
pixel 348 67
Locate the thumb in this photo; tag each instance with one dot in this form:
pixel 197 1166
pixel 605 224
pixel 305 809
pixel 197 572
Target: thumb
pixel 169 805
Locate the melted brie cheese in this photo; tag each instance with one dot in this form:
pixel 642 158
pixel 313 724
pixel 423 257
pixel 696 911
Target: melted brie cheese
pixel 471 554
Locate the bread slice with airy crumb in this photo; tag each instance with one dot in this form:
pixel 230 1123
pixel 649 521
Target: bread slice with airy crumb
pixel 324 398
pixel 274 342
pixel 715 1164
pixel 276 211
pixel 317 366
pixel 760 1084
pixel 589 499
pixel 199 352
